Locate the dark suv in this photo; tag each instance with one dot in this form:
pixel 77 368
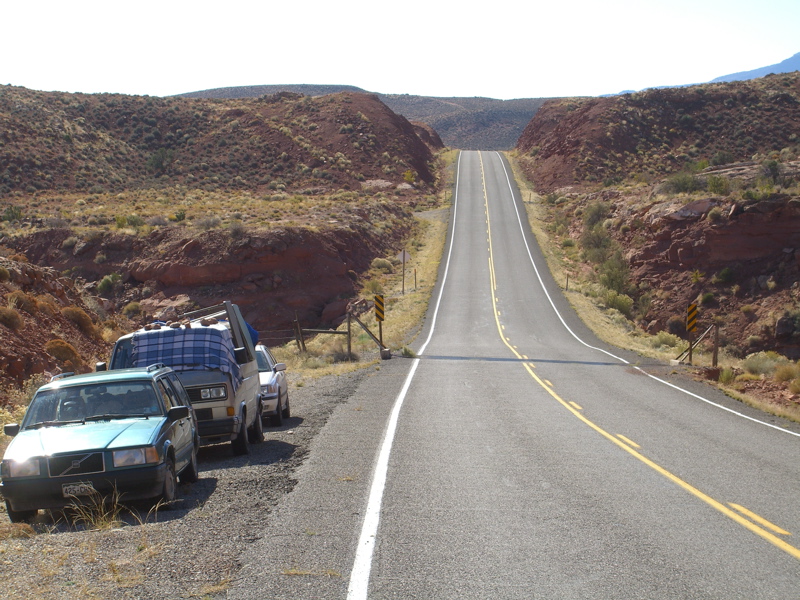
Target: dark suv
pixel 114 435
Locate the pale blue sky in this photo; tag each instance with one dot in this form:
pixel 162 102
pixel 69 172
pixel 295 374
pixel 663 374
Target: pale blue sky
pixel 501 49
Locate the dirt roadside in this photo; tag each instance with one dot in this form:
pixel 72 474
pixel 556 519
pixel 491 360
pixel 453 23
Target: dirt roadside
pixel 190 551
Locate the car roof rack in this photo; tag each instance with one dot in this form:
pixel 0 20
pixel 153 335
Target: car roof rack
pixel 156 367
pixel 61 376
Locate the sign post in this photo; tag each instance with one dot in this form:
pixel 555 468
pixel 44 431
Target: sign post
pixel 379 316
pixel 691 326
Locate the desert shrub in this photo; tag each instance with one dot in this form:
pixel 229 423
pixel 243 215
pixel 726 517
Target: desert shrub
pixel 676 325
pixel 5 275
pixel 382 264
pixel 207 223
pixel 100 258
pixel 79 316
pixel 12 213
pixel 794 386
pixel 69 243
pixel 787 372
pixel 46 305
pixel 725 275
pixel 707 298
pixel 723 157
pixel 763 363
pixel 682 182
pixel 726 376
pixel 10 318
pixel 747 309
pixel 617 301
pixel 21 300
pixel 716 184
pixel 664 338
pixel 134 221
pixel 131 309
pixel 63 351
pixel 715 214
pixel 596 243
pixel 595 213
pixel 568 243
pixel 236 228
pixel 614 273
pixel 108 283
pixel 373 286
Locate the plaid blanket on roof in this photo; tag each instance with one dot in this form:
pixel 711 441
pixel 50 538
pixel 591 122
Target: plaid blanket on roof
pixel 195 349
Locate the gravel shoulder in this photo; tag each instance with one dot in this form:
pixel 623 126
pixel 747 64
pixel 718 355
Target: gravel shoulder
pixel 196 549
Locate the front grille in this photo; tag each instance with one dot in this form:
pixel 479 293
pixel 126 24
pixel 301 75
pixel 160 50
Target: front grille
pixel 76 464
pixel 204 414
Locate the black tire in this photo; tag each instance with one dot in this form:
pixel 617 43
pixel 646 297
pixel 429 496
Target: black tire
pixel 256 432
pixel 170 491
pixel 276 420
pixel 190 473
pixel 287 410
pixel 20 516
pixel 241 445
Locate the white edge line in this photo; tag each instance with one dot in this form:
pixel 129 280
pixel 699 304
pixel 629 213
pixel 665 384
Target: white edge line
pixel 358 585
pixel 622 360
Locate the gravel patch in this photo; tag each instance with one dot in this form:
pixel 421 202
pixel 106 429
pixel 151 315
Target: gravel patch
pixel 193 550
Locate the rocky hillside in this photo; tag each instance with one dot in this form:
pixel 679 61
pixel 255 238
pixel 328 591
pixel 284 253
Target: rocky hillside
pixel 682 195
pixel 109 142
pixel 135 207
pixel 464 123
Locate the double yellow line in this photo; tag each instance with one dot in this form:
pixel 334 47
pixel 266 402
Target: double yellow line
pixel 747 519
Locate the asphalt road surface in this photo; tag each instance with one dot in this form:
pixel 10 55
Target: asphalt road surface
pixel 519 457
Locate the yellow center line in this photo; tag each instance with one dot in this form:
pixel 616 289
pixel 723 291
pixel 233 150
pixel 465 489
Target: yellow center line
pixel 628 441
pixel 732 514
pixel 758 519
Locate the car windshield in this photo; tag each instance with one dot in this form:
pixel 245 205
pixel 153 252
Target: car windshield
pixel 81 403
pixel 261 359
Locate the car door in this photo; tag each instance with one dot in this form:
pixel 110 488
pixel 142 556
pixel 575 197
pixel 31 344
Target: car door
pixel 182 430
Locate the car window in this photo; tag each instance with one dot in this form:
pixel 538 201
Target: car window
pixel 183 396
pixel 265 360
pixel 81 402
pixel 167 393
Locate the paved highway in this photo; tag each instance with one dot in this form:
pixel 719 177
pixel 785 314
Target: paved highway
pixel 519 457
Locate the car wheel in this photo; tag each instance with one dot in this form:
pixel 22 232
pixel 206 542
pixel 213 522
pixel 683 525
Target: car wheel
pixel 241 445
pixel 287 411
pixel 256 432
pixel 20 516
pixel 170 490
pixel 190 474
pixel 276 420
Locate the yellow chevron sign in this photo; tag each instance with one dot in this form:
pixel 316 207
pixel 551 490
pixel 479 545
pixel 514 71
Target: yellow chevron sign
pixel 379 308
pixel 691 317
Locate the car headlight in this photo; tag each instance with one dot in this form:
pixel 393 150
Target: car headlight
pixel 213 393
pixel 270 388
pixel 22 468
pixel 135 456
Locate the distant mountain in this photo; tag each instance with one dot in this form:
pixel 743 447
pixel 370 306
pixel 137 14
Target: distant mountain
pixel 465 123
pixel 787 66
pixel 256 91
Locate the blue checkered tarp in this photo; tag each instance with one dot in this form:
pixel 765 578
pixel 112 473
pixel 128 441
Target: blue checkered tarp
pixel 200 348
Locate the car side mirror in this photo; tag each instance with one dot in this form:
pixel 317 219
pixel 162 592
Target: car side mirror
pixel 176 413
pixel 280 367
pixel 11 429
pixel 101 366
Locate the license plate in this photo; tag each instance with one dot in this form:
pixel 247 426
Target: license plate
pixel 77 489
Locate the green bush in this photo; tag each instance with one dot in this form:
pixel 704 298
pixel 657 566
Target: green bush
pixel 723 157
pixel 4 275
pixel 12 213
pixel 131 309
pixel 726 376
pixel 382 264
pixel 716 184
pixel 620 302
pixel 707 298
pixel 596 243
pixel 108 283
pixel 614 273
pixel 682 183
pixel 664 338
pixel 763 363
pixel 725 275
pixel 595 213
